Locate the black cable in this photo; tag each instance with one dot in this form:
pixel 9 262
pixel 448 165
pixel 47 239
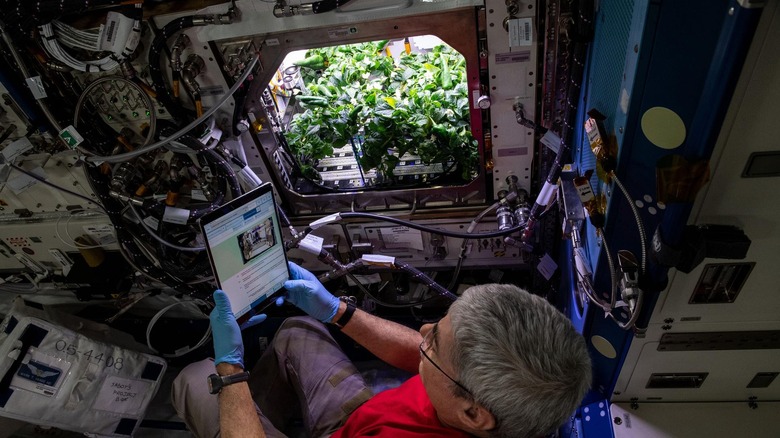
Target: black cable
pixel 7 133
pixel 528 123
pixel 125 236
pixel 350 215
pixel 55 186
pixel 182 264
pixel 239 98
pixel 217 160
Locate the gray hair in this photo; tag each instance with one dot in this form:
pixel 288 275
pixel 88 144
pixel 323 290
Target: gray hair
pixel 520 357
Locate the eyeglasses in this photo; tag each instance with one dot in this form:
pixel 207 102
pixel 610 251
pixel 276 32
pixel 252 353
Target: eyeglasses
pixel 424 346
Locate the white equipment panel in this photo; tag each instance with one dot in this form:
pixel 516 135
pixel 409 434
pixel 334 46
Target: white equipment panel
pixel 695 420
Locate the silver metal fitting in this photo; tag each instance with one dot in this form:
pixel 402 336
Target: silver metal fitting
pixel 282 10
pixel 178 46
pixel 504 218
pixel 126 198
pixel 629 281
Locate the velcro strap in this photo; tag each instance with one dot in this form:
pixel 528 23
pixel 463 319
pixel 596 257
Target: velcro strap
pixel 350 405
pixel 340 376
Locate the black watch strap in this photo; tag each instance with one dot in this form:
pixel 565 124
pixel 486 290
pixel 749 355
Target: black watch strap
pixel 217 382
pixel 346 316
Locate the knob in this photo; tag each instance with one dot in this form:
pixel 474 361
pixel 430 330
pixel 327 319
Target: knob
pixel 483 101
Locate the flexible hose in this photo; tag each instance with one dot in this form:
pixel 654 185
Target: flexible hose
pixel 612 273
pixel 639 224
pixel 185 130
pixel 195 145
pixel 186 350
pixel 465 242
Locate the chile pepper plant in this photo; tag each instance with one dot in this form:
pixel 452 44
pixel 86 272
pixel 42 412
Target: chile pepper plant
pixel 416 104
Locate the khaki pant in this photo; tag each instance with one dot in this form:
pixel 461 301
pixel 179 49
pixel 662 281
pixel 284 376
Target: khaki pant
pixel 302 374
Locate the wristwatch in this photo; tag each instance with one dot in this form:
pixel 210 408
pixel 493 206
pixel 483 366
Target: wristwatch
pixel 347 315
pixel 217 382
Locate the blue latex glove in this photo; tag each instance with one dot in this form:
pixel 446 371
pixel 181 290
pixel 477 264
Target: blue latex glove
pixel 228 346
pixel 309 295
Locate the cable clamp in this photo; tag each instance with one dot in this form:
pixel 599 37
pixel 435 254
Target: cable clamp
pixel 335 217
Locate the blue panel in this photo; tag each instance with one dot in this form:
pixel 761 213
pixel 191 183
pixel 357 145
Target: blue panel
pixel 596 420
pixel 571 429
pixel 22 97
pixel 684 56
pixel 608 54
pixel 617 23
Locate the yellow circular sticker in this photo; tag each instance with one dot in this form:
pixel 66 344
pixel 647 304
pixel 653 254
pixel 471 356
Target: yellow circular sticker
pixel 663 127
pixel 603 346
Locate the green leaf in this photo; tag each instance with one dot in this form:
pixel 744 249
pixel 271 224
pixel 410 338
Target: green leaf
pixel 430 67
pixel 394 103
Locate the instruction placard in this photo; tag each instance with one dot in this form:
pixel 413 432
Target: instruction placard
pixel 547 266
pixel 116 33
pixel 17 148
pixel 21 181
pixel 312 243
pixel 102 234
pixel 401 237
pixel 551 140
pixel 176 215
pixel 122 396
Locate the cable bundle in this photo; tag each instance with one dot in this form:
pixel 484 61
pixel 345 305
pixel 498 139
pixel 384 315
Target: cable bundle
pixel 55 34
pixel 24 15
pixel 76 38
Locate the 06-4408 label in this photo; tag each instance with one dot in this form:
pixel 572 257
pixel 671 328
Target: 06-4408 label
pixel 91 355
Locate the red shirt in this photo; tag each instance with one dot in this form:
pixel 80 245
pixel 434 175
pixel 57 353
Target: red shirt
pixel 403 412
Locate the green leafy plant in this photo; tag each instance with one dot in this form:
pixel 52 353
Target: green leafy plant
pixel 416 104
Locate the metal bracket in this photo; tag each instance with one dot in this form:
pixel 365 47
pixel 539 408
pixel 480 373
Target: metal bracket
pixel 629 282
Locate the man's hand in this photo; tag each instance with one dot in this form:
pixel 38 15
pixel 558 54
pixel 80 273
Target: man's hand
pixel 228 346
pixel 309 295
